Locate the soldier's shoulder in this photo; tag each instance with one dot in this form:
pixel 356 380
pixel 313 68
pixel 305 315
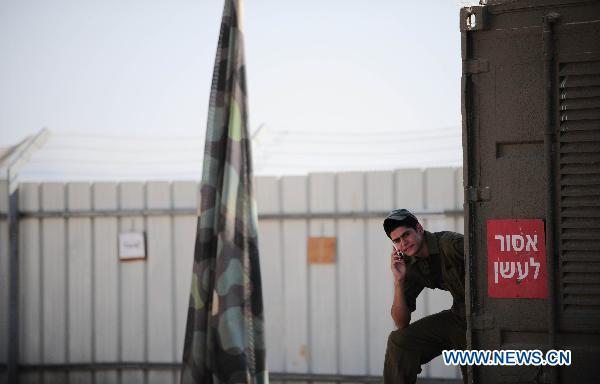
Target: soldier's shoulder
pixel 448 236
pixel 450 243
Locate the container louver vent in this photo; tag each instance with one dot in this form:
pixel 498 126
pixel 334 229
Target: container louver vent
pixel 579 178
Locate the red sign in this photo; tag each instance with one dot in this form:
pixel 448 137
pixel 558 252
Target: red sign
pixel 517 259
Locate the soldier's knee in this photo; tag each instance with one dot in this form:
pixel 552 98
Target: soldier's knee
pixel 398 339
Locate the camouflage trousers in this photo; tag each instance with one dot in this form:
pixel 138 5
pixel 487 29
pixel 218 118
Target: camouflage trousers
pixel 419 343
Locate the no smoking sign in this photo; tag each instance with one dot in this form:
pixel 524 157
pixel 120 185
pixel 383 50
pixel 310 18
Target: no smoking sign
pixel 516 259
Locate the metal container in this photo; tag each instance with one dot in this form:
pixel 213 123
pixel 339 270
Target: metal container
pixel 531 141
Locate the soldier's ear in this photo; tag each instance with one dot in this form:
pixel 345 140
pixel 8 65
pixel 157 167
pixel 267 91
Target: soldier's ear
pixel 419 228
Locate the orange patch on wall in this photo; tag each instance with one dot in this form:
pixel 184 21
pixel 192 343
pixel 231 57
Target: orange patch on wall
pixel 321 250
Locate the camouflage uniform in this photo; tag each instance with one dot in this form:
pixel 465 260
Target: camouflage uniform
pixel 421 341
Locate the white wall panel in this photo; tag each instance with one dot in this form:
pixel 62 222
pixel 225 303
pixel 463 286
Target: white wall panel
pixel 133 376
pixel 132 280
pixel 106 286
pixel 321 190
pixel 267 197
pixel 79 257
pixel 185 196
pixel 440 188
pixel 55 377
pixel 350 192
pixel 295 293
pixel 271 266
pixel 54 281
pixel 323 314
pixel 106 283
pixel 53 197
pixel 79 197
pixel 106 196
pixel 80 377
pixel 379 187
pixel 323 350
pixel 79 271
pixel 293 189
pixel 158 377
pixel 351 300
pixel 352 304
pixel 134 299
pixel 408 192
pixel 273 287
pixel 184 228
pixel 106 377
pixel 294 235
pixel 440 194
pixel 161 308
pixel 28 378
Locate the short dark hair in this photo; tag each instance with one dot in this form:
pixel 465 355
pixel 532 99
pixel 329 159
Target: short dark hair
pixel 398 218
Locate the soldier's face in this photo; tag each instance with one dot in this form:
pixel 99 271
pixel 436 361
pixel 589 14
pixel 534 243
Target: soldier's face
pixel 408 240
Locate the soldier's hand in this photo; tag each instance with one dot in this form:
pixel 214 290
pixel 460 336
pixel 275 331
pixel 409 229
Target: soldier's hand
pixel 398 266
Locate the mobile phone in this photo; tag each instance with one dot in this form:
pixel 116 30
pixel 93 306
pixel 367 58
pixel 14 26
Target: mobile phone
pixel 400 254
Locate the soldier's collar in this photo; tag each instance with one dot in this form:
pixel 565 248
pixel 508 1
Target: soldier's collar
pixel 411 259
pixel 432 244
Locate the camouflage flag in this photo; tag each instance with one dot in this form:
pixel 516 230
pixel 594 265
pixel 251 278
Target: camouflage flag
pixel 224 339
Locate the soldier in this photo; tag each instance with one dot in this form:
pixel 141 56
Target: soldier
pixel 422 259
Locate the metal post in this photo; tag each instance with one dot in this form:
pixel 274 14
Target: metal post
pixel 13 322
pixel 469 177
pixel 549 152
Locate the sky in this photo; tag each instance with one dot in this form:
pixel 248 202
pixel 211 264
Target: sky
pixel 143 68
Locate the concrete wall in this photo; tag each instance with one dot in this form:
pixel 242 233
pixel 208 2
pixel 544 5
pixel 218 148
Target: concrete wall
pixel 80 304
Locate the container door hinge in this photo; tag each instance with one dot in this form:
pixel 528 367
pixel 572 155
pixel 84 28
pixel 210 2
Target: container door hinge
pixel 482 322
pixel 475 194
pixel 473 18
pixel 475 66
